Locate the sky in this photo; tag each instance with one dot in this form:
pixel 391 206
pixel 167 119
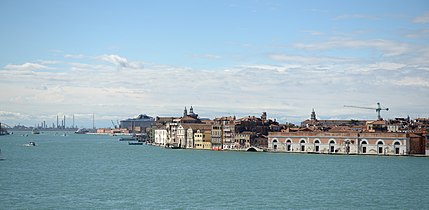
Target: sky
pixel 118 59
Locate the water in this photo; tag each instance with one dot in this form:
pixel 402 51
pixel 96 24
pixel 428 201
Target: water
pixel 99 172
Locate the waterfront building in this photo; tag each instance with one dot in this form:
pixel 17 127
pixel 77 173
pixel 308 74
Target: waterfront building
pixel 228 136
pixel 242 140
pixel 340 143
pixel 216 136
pixel 207 144
pixel 202 139
pixel 172 139
pixel 137 124
pixel 181 136
pixel 191 129
pixel 190 138
pixel 257 125
pixel 160 135
pixel 198 140
pixel 223 132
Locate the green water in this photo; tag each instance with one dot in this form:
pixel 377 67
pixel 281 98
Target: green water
pixel 99 172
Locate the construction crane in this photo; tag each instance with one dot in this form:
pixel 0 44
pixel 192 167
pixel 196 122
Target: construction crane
pixel 114 126
pixel 377 109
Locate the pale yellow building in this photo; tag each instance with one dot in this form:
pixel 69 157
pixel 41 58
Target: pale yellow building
pixel 202 139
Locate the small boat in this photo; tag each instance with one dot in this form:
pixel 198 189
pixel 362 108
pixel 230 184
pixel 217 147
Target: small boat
pixel 30 144
pixel 135 143
pixel 128 139
pixel 81 131
pixel 35 131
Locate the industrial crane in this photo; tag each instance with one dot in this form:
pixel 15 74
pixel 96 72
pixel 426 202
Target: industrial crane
pixel 378 109
pixel 114 126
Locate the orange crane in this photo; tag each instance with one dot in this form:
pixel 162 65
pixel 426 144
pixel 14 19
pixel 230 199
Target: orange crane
pixel 377 109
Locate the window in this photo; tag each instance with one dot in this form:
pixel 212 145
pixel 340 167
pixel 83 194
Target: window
pixel 380 147
pixel 332 146
pixel 364 147
pixel 317 147
pixel 302 142
pixel 288 145
pixel 397 144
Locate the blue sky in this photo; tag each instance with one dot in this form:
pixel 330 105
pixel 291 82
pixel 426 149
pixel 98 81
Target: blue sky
pixel 121 58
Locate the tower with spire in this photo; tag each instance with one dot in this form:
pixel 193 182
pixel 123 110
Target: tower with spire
pixel 313 115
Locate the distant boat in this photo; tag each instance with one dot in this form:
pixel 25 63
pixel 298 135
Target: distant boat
pixel 81 131
pixel 30 144
pixel 3 130
pixel 128 139
pixel 36 131
pixel 135 143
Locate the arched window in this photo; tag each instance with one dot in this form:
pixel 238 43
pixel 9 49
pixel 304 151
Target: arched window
pixel 302 142
pixel 380 147
pixel 364 143
pixel 397 145
pixel 332 146
pixel 288 145
pixel 317 147
pixel 275 144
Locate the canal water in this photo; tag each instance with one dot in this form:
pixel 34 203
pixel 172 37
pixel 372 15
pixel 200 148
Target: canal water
pixel 99 172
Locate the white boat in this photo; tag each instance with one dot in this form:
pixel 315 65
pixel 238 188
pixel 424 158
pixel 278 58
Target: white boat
pixel 30 144
pixel 36 131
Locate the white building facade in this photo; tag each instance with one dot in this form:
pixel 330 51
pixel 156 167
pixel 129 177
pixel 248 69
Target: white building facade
pixel 340 143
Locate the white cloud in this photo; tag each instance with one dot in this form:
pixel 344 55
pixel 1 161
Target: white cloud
pixel 413 81
pixel 422 18
pixel 47 62
pixel 389 48
pixel 6 115
pixel 382 66
pixel 417 33
pixel 272 68
pixel 26 67
pixel 307 59
pixel 118 61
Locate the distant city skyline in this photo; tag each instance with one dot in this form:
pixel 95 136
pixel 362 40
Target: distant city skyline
pixel 118 59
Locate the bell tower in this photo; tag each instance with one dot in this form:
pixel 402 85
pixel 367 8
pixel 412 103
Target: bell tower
pixel 313 115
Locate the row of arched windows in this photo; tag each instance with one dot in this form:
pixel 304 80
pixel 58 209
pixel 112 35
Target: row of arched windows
pixel 332 144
